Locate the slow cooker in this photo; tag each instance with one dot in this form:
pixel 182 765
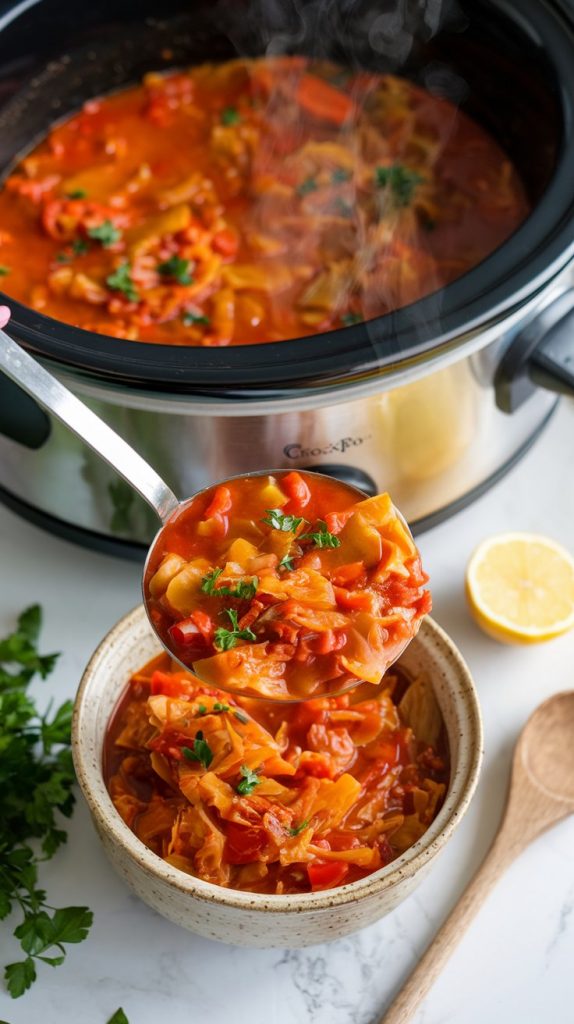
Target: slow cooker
pixel 433 401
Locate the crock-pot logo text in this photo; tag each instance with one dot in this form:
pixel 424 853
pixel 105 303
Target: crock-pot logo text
pixel 297 451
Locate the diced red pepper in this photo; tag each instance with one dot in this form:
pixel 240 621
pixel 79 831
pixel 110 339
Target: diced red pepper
pixel 197 628
pixel 296 489
pixel 226 243
pixel 335 521
pixel 350 573
pixel 169 685
pixel 243 842
pixel 326 874
pixel 219 504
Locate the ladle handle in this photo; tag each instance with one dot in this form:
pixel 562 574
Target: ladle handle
pixel 53 396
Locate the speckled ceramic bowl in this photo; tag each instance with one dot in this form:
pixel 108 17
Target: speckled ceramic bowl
pixel 252 919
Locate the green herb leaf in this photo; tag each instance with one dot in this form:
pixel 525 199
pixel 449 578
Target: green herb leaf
pixel 241 717
pixel 177 268
pixel 278 520
pixel 19 976
pixel 321 537
pixel 36 779
pixel 400 180
pixel 121 281
pixel 351 318
pixel 4 271
pixel 225 639
pixel 286 563
pixel 307 186
pixel 343 207
pixel 201 751
pixel 77 193
pixel 201 710
pixel 190 317
pixel 243 589
pixel 339 175
pixel 106 233
pixel 297 829
pixel 79 247
pixel 230 116
pixel 63 257
pixel 118 1017
pixel 249 781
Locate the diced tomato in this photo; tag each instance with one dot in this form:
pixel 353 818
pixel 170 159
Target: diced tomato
pixel 335 521
pixel 329 641
pixel 356 600
pixel 322 100
pixel 219 504
pixel 350 573
pixel 169 685
pixel 243 843
pixel 226 243
pixel 196 629
pixel 296 489
pixel 326 874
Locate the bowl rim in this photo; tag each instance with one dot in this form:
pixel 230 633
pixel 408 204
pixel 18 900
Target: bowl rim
pixel 108 821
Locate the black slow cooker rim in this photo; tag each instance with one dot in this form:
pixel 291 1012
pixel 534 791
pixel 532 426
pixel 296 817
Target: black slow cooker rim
pixel 533 255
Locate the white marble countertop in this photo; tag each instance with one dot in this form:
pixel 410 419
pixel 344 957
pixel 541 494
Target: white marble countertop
pixel 514 966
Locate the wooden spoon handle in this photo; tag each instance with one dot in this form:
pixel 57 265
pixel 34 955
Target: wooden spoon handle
pixel 444 942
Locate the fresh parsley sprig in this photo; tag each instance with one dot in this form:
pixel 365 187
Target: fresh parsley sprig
pixel 249 780
pixel 297 829
pixel 401 181
pixel 321 537
pixel 121 281
pixel 286 563
pixel 107 233
pixel 243 589
pixel 279 520
pixel 201 751
pixel 36 779
pixel 225 639
pixel 177 268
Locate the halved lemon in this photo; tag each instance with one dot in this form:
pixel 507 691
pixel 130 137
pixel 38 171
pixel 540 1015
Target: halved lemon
pixel 520 588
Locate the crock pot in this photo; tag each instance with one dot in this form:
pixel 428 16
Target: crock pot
pixel 432 402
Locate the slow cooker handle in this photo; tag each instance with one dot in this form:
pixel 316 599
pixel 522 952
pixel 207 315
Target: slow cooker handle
pixel 542 355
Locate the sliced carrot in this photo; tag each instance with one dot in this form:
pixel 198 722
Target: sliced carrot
pixel 220 503
pixel 322 100
pixel 295 487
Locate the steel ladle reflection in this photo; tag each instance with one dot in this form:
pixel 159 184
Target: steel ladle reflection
pixel 25 371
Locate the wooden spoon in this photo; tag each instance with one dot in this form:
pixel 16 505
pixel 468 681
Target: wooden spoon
pixel 541 793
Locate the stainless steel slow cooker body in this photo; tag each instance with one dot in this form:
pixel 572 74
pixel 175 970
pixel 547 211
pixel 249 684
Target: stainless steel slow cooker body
pixel 432 402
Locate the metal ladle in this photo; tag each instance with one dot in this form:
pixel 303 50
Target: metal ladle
pixel 25 371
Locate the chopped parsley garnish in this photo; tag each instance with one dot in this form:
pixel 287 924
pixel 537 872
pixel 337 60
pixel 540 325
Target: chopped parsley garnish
pixel 106 233
pixel 297 829
pixel 225 639
pixel 249 781
pixel 201 751
pixel 339 175
pixel 189 318
pixel 401 181
pixel 37 776
pixel 348 319
pixel 77 193
pixel 321 537
pixel 79 247
pixel 177 268
pixel 286 563
pixel 230 116
pixel 4 271
pixel 241 717
pixel 307 186
pixel 121 281
pixel 63 257
pixel 243 589
pixel 278 520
